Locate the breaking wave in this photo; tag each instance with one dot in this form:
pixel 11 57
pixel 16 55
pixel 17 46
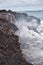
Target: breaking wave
pixel 31 39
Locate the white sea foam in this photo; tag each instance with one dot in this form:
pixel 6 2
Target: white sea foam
pixel 31 41
pixel 40 28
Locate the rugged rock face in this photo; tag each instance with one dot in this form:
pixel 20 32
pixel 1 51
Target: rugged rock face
pixel 10 52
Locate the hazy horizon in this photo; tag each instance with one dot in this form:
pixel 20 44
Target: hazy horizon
pixel 21 5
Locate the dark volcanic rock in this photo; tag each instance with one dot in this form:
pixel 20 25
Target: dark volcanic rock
pixel 10 52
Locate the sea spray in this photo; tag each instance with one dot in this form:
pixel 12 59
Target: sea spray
pixel 31 41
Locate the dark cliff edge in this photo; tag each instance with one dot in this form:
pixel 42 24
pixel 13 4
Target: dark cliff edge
pixel 10 52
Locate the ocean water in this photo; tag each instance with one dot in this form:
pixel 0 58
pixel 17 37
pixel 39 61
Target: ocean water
pixel 38 14
pixel 31 39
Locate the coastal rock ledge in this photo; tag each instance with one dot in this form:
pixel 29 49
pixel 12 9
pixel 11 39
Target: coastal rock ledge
pixel 10 52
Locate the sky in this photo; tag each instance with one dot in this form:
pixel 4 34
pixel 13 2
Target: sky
pixel 21 5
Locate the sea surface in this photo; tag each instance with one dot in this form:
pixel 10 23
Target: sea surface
pixel 38 14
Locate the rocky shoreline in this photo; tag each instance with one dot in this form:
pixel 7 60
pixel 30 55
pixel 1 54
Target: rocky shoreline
pixel 10 52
